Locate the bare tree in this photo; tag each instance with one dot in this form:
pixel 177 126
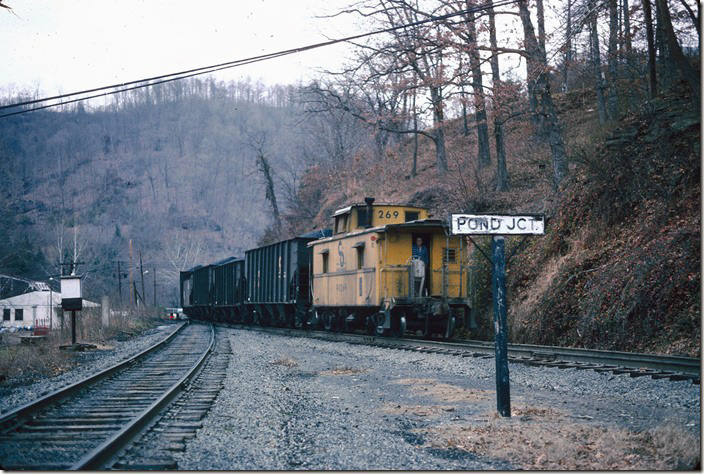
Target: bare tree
pixel 675 59
pixel 568 47
pixel 599 85
pixel 538 79
pixel 258 143
pixel 483 155
pixel 650 37
pixel 417 51
pixel 613 59
pixel 502 178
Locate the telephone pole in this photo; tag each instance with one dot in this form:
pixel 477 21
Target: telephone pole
pixel 132 287
pixel 141 271
pixel 154 270
pixel 119 280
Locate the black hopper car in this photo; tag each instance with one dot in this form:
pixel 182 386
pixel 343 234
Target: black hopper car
pixel 270 286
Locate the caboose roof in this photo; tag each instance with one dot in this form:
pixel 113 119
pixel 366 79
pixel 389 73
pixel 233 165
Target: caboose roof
pixel 347 209
pixel 418 223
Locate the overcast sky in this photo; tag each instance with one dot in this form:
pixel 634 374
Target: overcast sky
pixel 70 45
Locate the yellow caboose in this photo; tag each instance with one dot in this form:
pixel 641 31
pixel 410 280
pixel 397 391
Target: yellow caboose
pixel 373 272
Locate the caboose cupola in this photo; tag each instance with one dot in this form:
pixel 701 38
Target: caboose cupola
pixel 371 214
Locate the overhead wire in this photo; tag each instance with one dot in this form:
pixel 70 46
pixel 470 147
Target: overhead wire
pixel 165 78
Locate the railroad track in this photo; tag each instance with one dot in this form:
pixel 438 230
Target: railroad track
pixel 84 425
pixel 634 364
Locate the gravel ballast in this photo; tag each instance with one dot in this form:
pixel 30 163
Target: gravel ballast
pixel 15 392
pixel 300 403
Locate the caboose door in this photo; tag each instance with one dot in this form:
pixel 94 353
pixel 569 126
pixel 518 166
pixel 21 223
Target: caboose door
pixel 427 241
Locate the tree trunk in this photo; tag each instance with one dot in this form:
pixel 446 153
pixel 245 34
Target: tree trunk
pixel 440 157
pixel 439 124
pixel 502 179
pixel 568 49
pixel 533 71
pixel 631 86
pixel 265 168
pixel 693 17
pixel 627 29
pixel 541 28
pixel 539 119
pixel 613 59
pixel 677 59
pixel 534 58
pixel 648 18
pixel 465 123
pixel 415 137
pixel 596 63
pixel 662 48
pixel 484 154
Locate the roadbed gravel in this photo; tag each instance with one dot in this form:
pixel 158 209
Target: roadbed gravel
pixel 299 403
pixel 19 390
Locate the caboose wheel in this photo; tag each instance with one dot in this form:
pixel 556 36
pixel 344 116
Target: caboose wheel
pixel 398 325
pixel 449 328
pixel 373 325
pixel 329 321
pixel 341 321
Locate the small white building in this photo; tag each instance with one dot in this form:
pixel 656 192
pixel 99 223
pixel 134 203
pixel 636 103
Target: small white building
pixel 34 308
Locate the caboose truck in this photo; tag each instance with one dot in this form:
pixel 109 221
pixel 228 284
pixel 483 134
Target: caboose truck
pixel 364 275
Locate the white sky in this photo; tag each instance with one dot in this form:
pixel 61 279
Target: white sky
pixel 68 45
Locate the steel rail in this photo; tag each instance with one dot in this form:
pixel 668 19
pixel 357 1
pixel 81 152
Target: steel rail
pixel 17 414
pixel 109 449
pixel 661 366
pixel 636 360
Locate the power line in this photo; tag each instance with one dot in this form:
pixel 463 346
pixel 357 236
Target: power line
pixel 164 78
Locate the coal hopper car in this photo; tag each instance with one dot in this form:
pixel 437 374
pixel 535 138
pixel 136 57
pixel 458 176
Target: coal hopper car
pixel 278 291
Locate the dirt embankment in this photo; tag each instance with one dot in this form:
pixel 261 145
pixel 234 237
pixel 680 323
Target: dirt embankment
pixel 619 266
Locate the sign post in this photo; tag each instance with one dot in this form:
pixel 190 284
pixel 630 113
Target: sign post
pixel 499 226
pixel 498 287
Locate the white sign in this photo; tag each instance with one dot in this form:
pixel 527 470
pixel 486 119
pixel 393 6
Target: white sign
pixel 479 224
pixel 70 287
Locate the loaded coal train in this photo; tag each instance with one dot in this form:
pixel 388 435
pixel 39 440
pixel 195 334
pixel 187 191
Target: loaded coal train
pixel 383 268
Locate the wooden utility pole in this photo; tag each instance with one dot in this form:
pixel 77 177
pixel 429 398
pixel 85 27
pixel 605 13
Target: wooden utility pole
pixel 119 280
pixel 141 271
pixel 132 287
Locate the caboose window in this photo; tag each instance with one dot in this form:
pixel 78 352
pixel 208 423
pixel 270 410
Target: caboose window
pixel 361 217
pixel 360 258
pixel 6 314
pixel 19 314
pixel 449 255
pixel 411 216
pixel 325 263
pixel 341 224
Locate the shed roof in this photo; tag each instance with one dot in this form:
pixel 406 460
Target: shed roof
pixel 39 298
